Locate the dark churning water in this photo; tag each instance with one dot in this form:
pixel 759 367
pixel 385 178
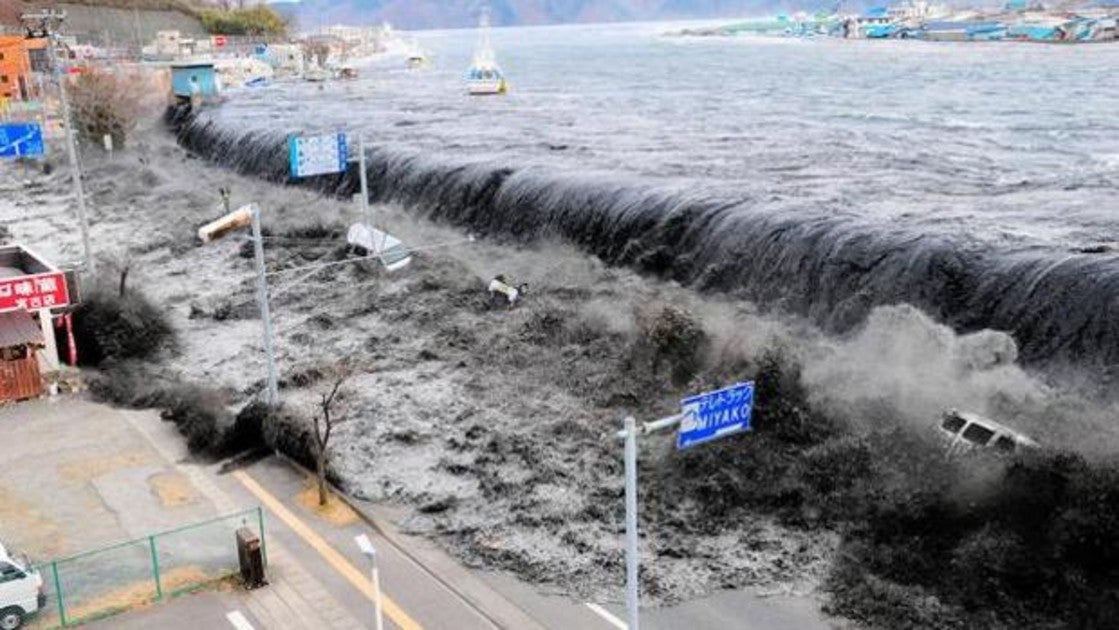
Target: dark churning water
pixel 979 182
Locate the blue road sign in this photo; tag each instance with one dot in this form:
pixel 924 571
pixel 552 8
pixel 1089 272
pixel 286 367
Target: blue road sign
pixel 712 415
pixel 21 139
pixel 317 155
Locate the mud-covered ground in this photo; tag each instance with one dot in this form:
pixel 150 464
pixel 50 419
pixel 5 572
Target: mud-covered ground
pixel 493 426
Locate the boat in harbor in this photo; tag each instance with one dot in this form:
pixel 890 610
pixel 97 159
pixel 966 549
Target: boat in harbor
pixel 417 57
pixel 484 76
pixel 417 60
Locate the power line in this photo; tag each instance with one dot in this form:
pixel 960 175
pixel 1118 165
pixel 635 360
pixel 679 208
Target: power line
pixel 293 283
pixel 306 320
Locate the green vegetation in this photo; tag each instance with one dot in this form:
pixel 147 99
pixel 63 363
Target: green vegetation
pixel 258 20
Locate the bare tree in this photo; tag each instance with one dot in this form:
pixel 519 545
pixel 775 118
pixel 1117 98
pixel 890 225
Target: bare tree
pixel 324 423
pixel 109 104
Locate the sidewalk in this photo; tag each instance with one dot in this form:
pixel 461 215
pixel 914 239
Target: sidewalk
pixel 82 476
pixel 317 575
pixel 294 598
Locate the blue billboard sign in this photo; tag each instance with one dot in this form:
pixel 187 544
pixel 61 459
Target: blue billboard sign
pixel 713 415
pixel 21 139
pixel 317 155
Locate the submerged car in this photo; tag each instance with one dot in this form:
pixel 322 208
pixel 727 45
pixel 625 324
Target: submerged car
pixel 968 431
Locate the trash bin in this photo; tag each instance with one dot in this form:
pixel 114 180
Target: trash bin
pixel 251 558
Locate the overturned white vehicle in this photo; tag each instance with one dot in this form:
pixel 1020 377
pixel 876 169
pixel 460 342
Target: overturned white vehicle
pixel 965 432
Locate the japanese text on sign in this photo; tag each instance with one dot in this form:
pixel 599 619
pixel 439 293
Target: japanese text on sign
pixel 317 155
pixel 29 293
pixel 715 414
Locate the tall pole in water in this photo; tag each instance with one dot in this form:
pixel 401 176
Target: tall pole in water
pixel 265 316
pixel 49 21
pixel 364 181
pixel 366 213
pixel 630 428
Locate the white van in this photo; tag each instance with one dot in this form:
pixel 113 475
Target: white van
pixel 21 590
pixel 370 241
pixel 967 431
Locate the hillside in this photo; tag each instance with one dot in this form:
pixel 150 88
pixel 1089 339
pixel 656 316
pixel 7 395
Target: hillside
pixel 113 22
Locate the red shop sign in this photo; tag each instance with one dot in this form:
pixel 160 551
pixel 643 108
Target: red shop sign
pixel 30 293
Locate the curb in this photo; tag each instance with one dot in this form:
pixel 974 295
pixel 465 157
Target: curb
pixel 389 532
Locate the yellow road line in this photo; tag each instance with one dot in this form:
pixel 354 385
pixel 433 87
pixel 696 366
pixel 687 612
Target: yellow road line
pixel 335 559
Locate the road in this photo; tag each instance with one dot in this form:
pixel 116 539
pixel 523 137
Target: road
pixel 319 578
pixel 425 588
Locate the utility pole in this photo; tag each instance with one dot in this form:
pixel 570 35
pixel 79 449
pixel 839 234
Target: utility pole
pixel 265 315
pixel 366 214
pixel 45 24
pixel 250 215
pixel 364 181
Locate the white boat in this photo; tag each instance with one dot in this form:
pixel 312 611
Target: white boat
pixel 485 76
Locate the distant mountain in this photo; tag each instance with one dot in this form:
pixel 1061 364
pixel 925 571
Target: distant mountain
pixel 418 14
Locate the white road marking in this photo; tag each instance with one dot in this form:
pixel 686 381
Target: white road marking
pixel 238 620
pixel 605 614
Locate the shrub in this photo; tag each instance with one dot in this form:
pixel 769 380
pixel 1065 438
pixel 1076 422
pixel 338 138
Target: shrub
pixel 836 478
pixel 1033 547
pixel 672 338
pixel 929 542
pixel 781 403
pixel 111 326
pixel 127 384
pixel 863 596
pixel 290 435
pixel 200 415
pixel 247 432
pixel 107 104
pixel 198 411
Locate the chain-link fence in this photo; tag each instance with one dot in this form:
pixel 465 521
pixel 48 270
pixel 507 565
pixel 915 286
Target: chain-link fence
pixel 103 582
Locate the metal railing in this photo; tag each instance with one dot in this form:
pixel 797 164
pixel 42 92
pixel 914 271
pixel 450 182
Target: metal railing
pixel 103 582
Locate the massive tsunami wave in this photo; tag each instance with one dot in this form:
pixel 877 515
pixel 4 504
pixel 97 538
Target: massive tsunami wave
pixel 928 176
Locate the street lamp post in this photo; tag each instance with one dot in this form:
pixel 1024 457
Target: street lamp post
pixel 370 552
pixel 265 314
pixel 46 24
pixel 250 215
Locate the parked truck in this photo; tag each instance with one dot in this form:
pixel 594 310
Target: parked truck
pixel 21 590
